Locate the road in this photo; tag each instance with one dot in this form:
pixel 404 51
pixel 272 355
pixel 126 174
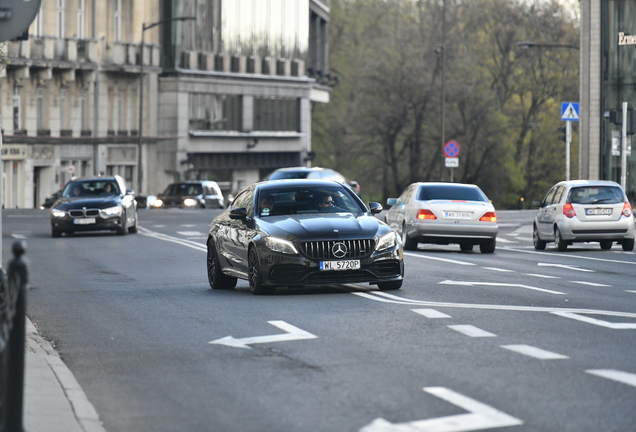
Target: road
pixel 518 340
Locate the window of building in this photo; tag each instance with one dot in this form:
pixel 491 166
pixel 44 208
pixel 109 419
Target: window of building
pixel 81 19
pixel 17 102
pixel 276 114
pixel 83 106
pixel 63 114
pixel 37 24
pixel 60 19
pixel 211 112
pixel 39 109
pixel 117 21
pixel 121 114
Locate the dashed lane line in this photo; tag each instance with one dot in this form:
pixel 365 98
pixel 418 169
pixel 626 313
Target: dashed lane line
pixel 534 352
pixel 471 331
pixel 622 377
pixel 431 313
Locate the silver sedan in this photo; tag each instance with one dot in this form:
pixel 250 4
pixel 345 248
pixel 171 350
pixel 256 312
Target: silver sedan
pixel 584 211
pixel 444 213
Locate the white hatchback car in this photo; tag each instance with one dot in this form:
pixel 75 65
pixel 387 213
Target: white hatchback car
pixel 444 213
pixel 584 211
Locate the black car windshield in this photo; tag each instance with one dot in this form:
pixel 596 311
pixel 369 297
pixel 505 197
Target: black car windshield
pixel 285 175
pixel 306 200
pixel 183 189
pixel 596 194
pixel 91 188
pixel 451 192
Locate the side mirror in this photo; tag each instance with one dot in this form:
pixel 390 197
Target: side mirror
pixel 375 207
pixel 391 201
pixel 130 192
pixel 536 203
pixel 238 213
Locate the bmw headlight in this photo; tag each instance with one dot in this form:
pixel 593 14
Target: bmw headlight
pixel 387 241
pixel 58 213
pixel 112 211
pixel 282 246
pixel 189 202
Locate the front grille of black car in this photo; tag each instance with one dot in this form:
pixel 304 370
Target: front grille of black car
pixel 78 213
pixel 323 250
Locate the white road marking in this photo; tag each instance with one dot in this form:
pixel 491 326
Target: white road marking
pixel 293 333
pixel 431 313
pixel 188 225
pixel 191 233
pixel 439 259
pixel 625 252
pixel 471 331
pixel 542 276
pixel 498 269
pixel 534 352
pixel 450 282
pixel 565 266
pixel 159 226
pixel 590 283
pixel 598 322
pixel 505 240
pixel 164 237
pixel 631 291
pixel 19 236
pixel 562 255
pixel 622 377
pixel 564 312
pixel 481 417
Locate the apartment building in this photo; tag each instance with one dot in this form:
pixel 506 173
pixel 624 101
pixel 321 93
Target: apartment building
pixel 69 96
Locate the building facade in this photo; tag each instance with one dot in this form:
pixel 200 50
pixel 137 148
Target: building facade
pixel 608 78
pixel 223 89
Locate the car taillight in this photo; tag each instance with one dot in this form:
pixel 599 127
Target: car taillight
pixel 627 210
pixel 425 214
pixel 568 210
pixel 489 217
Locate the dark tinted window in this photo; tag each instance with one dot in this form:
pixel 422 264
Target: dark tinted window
pixel 283 175
pixel 91 188
pixel 183 189
pixel 301 199
pixel 596 194
pixel 450 192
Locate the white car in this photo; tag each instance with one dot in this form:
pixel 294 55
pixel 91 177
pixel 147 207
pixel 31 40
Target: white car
pixel 584 211
pixel 444 213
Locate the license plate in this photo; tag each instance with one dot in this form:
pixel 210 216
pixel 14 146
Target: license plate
pixel 457 215
pixel 84 221
pixel 340 265
pixel 598 211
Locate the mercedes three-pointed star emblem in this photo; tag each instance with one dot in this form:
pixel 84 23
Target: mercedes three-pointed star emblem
pixel 339 250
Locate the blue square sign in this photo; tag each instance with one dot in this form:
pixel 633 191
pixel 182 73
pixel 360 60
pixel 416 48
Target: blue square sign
pixel 570 111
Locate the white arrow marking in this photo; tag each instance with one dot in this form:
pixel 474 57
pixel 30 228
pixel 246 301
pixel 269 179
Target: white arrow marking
pixel 481 417
pixel 565 266
pixel 450 282
pixel 293 333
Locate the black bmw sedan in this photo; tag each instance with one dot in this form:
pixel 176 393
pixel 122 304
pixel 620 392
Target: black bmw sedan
pixel 95 204
pixel 302 232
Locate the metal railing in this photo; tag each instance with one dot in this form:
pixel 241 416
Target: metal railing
pixel 12 339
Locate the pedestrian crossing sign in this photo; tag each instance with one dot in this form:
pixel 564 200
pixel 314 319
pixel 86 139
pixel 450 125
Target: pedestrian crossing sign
pixel 570 111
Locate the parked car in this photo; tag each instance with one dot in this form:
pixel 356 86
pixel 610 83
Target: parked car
pixel 313 173
pixel 584 211
pixel 444 213
pixel 95 204
pixel 49 200
pixel 190 194
pixel 302 232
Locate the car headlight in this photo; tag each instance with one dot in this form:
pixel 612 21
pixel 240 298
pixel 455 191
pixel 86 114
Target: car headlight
pixel 157 203
pixel 58 213
pixel 189 202
pixel 387 241
pixel 112 211
pixel 282 246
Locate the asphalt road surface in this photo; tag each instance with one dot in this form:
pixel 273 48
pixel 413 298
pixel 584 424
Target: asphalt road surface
pixel 518 340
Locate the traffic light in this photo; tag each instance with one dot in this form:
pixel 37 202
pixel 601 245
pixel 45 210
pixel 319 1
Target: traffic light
pixel 562 135
pixel 616 117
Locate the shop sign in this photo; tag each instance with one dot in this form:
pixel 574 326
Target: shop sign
pixel 13 152
pixel 624 39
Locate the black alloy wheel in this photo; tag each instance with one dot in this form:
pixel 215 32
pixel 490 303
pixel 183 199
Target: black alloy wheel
pixel 121 229
pixel 216 278
pixel 409 243
pixel 133 229
pixel 255 277
pixel 536 240
pixel 628 245
pixel 606 244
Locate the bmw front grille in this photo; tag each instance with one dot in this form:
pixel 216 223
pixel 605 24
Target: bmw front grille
pixel 80 213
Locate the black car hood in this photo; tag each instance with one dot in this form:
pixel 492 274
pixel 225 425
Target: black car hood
pixel 334 226
pixel 90 202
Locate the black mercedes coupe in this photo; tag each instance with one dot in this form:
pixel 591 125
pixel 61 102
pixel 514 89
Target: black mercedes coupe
pixel 302 232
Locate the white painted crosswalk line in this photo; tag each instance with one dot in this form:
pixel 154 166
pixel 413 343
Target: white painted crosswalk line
pixel 622 377
pixel 534 352
pixel 590 283
pixel 431 313
pixel 471 331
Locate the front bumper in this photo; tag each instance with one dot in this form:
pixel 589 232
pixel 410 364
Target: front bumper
pixel 283 269
pixel 68 224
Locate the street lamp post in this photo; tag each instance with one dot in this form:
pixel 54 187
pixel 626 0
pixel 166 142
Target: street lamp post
pixel 145 27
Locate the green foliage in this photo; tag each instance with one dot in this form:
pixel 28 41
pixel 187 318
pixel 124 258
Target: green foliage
pixel 383 126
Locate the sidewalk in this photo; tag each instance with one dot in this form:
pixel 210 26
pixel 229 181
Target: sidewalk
pixel 53 399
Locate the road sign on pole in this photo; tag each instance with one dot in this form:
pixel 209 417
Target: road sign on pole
pixel 451 149
pixel 570 111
